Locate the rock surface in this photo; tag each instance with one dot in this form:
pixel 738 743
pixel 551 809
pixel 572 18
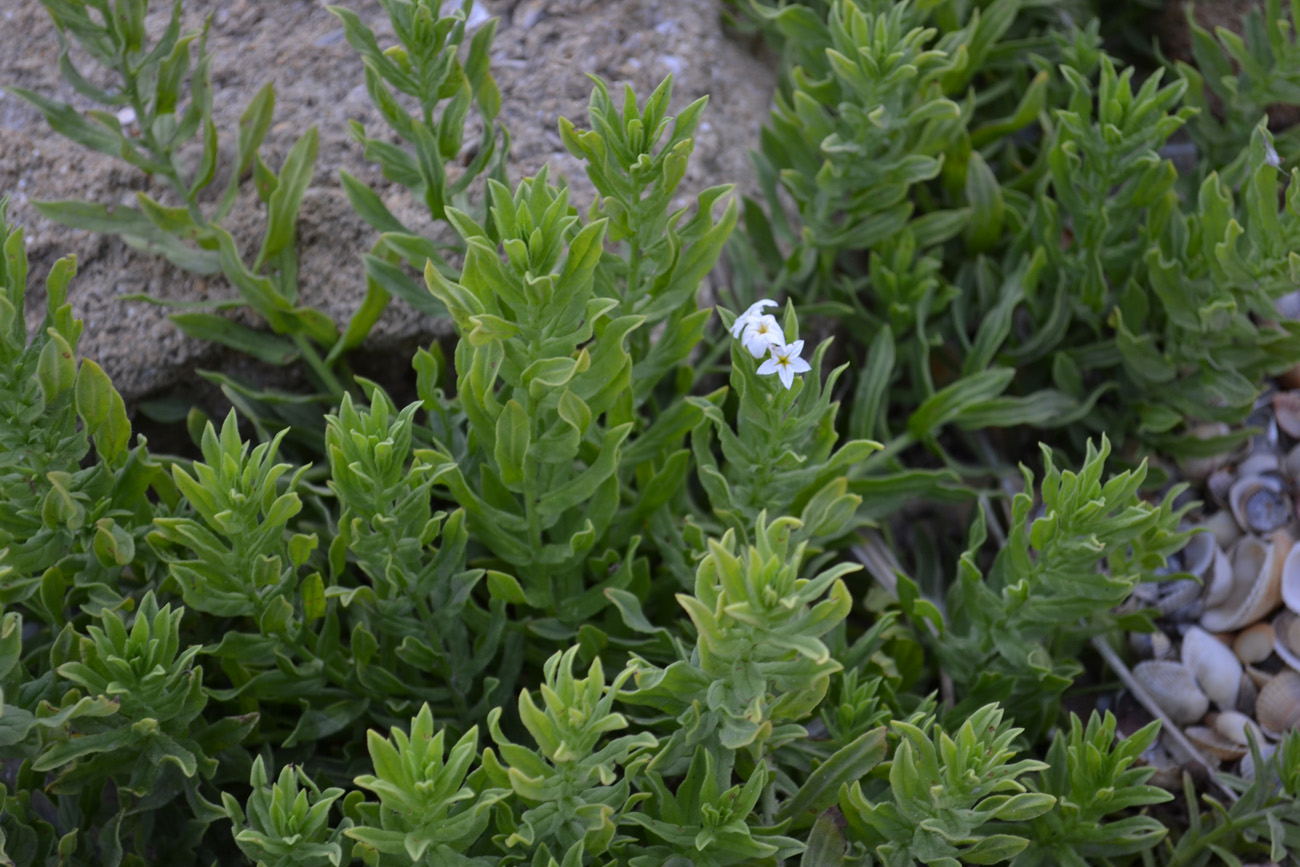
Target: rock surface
pixel 542 54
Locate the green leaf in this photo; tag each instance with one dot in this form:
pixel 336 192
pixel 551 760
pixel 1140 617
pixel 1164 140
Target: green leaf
pixel 103 411
pixel 947 404
pixel 270 348
pixel 514 435
pixel 282 209
pixel 848 764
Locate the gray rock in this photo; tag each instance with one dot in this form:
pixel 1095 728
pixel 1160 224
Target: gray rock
pixel 542 52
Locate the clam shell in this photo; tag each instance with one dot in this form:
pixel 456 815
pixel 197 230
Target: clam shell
pixel 1259 502
pixel 1214 744
pixel 1286 637
pixel 1219 483
pixel 1234 725
pixel 1291 464
pixel 1198 554
pixel 1214 665
pixel 1262 460
pixel 1256 583
pixel 1181 600
pixel 1224 527
pixel 1174 689
pixel 1254 643
pixel 1218 579
pixel 1291 579
pixel 1278 707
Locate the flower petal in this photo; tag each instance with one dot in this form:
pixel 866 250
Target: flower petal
pixel 769 366
pixel 787 376
pixel 798 365
pixel 796 348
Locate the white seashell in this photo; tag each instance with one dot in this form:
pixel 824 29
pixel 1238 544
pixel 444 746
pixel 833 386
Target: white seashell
pixel 1174 689
pixel 1198 554
pixel 1291 579
pixel 1286 637
pixel 1291 464
pixel 1219 483
pixel 1214 665
pixel 1218 579
pixel 1234 725
pixel 1259 502
pixel 1224 527
pixel 1259 462
pixel 1256 583
pixel 1278 707
pixel 1254 643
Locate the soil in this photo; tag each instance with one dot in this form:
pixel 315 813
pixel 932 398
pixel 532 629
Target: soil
pixel 542 53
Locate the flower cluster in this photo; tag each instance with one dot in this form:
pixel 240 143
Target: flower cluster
pixel 761 334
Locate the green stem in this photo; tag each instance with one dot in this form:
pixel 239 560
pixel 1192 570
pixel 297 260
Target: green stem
pixel 319 367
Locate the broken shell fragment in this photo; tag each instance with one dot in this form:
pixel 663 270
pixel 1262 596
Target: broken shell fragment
pixel 1173 688
pixel 1247 769
pixel 1256 583
pixel 1181 600
pixel 1254 643
pixel 1215 667
pixel 1212 743
pixel 1259 503
pixel 1278 707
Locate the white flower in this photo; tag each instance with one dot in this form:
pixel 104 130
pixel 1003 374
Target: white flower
pixel 785 363
pixel 755 311
pixel 760 333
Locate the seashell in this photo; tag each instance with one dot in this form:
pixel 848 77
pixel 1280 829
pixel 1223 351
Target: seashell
pixel 1262 461
pixel 1218 483
pixel 1258 676
pixel 1256 583
pixel 1218 579
pixel 1214 665
pixel 1286 637
pixel 1291 464
pixel 1214 744
pixel 1291 580
pixel 1286 411
pixel 1181 600
pixel 1198 554
pixel 1259 503
pixel 1247 695
pixel 1197 469
pixel 1247 769
pixel 1223 527
pixel 1174 689
pixel 1154 645
pixel 1254 643
pixel 1278 707
pixel 1234 725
